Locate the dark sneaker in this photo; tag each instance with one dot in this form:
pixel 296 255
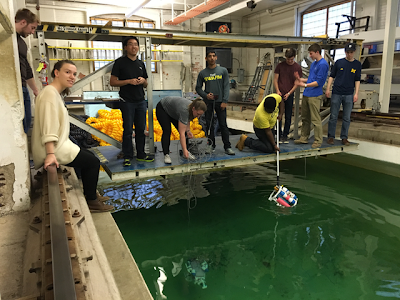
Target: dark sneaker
pixel 120 155
pixel 345 142
pixel 146 159
pixel 127 162
pixel 229 151
pixel 209 149
pixel 98 206
pixel 331 141
pixel 284 140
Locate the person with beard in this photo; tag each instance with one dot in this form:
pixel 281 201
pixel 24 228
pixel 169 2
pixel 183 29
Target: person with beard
pixel 26 23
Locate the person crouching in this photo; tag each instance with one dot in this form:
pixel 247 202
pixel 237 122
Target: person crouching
pixel 178 111
pixel 267 112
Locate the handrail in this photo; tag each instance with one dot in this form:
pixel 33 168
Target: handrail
pixel 63 279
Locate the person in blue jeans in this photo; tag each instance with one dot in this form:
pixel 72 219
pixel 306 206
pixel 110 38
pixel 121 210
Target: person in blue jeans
pixel 284 83
pixel 25 25
pixel 129 73
pixel 347 74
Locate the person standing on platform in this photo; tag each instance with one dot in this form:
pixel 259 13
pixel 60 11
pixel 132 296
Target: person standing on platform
pixel 312 97
pixel 178 111
pixel 284 83
pixel 215 95
pixel 50 135
pixel 26 23
pixel 129 73
pixel 347 75
pixel 267 112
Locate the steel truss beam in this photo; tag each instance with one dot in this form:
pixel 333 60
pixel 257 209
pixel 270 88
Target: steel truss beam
pixel 174 37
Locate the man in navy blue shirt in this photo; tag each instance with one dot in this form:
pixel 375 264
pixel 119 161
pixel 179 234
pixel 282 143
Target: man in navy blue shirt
pixel 312 97
pixel 347 75
pixel 129 73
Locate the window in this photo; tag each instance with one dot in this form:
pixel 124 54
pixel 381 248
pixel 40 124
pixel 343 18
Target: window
pixel 109 51
pixel 322 21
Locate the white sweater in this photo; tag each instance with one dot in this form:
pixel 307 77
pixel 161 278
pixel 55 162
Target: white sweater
pixel 51 124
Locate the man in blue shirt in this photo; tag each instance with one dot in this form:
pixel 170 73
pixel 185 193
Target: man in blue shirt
pixel 347 75
pixel 312 97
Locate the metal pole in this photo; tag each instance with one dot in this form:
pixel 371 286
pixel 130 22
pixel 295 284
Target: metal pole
pixel 63 279
pixel 297 97
pixel 150 94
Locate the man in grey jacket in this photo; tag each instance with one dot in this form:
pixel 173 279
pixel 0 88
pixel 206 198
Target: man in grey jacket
pixel 215 95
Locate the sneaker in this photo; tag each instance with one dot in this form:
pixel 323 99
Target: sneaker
pixel 301 141
pixel 345 142
pixel 316 145
pixel 98 206
pixel 102 198
pixel 229 151
pixel 240 144
pixel 284 140
pixel 127 162
pixel 120 155
pixel 167 159
pixel 331 141
pixel 209 149
pixel 146 159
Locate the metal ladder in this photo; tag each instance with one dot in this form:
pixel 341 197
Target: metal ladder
pixel 255 84
pixel 253 90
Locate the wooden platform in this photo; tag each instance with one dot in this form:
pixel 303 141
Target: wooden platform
pixel 208 163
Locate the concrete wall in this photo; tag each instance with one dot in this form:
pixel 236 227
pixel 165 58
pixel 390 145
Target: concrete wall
pixel 14 163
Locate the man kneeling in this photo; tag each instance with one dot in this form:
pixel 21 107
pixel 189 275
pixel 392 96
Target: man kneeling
pixel 270 109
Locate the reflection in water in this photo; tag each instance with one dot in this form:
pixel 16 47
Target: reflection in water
pixel 157 193
pixel 340 242
pixel 392 285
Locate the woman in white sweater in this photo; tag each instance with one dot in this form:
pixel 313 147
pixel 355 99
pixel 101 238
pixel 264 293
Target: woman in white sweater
pixel 50 135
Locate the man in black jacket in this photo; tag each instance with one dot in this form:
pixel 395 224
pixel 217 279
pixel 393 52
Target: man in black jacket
pixel 25 24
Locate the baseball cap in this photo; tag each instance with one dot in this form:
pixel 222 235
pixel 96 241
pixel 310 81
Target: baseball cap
pixel 350 47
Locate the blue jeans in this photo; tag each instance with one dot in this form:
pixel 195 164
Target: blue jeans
pixel 133 113
pixel 288 117
pixel 336 101
pixel 28 115
pixel 221 115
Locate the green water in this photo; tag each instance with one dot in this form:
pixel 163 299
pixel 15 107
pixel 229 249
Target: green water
pixel 340 242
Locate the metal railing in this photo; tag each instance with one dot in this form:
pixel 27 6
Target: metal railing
pixel 63 279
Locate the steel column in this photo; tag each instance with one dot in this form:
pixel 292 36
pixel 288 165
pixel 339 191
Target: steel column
pixel 150 94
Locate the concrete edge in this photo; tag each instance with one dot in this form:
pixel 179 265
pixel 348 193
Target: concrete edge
pixel 99 278
pixel 127 275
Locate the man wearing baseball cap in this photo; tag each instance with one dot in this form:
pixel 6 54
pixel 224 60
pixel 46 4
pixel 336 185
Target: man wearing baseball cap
pixel 347 74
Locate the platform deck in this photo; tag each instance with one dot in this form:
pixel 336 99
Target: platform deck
pixel 216 160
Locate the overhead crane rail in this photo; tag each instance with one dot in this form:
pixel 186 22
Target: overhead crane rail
pixel 90 32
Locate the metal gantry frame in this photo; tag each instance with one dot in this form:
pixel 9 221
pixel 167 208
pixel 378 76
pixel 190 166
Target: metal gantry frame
pixel 173 37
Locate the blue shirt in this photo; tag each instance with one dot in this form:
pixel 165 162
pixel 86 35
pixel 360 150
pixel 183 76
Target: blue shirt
pixel 346 73
pixel 318 72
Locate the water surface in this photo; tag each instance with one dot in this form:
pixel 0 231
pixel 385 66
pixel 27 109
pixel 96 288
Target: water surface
pixel 340 242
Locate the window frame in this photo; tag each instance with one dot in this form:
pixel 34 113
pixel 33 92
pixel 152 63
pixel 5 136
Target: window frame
pixel 327 14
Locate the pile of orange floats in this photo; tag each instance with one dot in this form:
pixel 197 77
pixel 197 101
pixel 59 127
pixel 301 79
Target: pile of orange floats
pixel 110 123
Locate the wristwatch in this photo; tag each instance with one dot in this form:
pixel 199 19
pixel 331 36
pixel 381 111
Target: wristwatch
pixel 305 85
